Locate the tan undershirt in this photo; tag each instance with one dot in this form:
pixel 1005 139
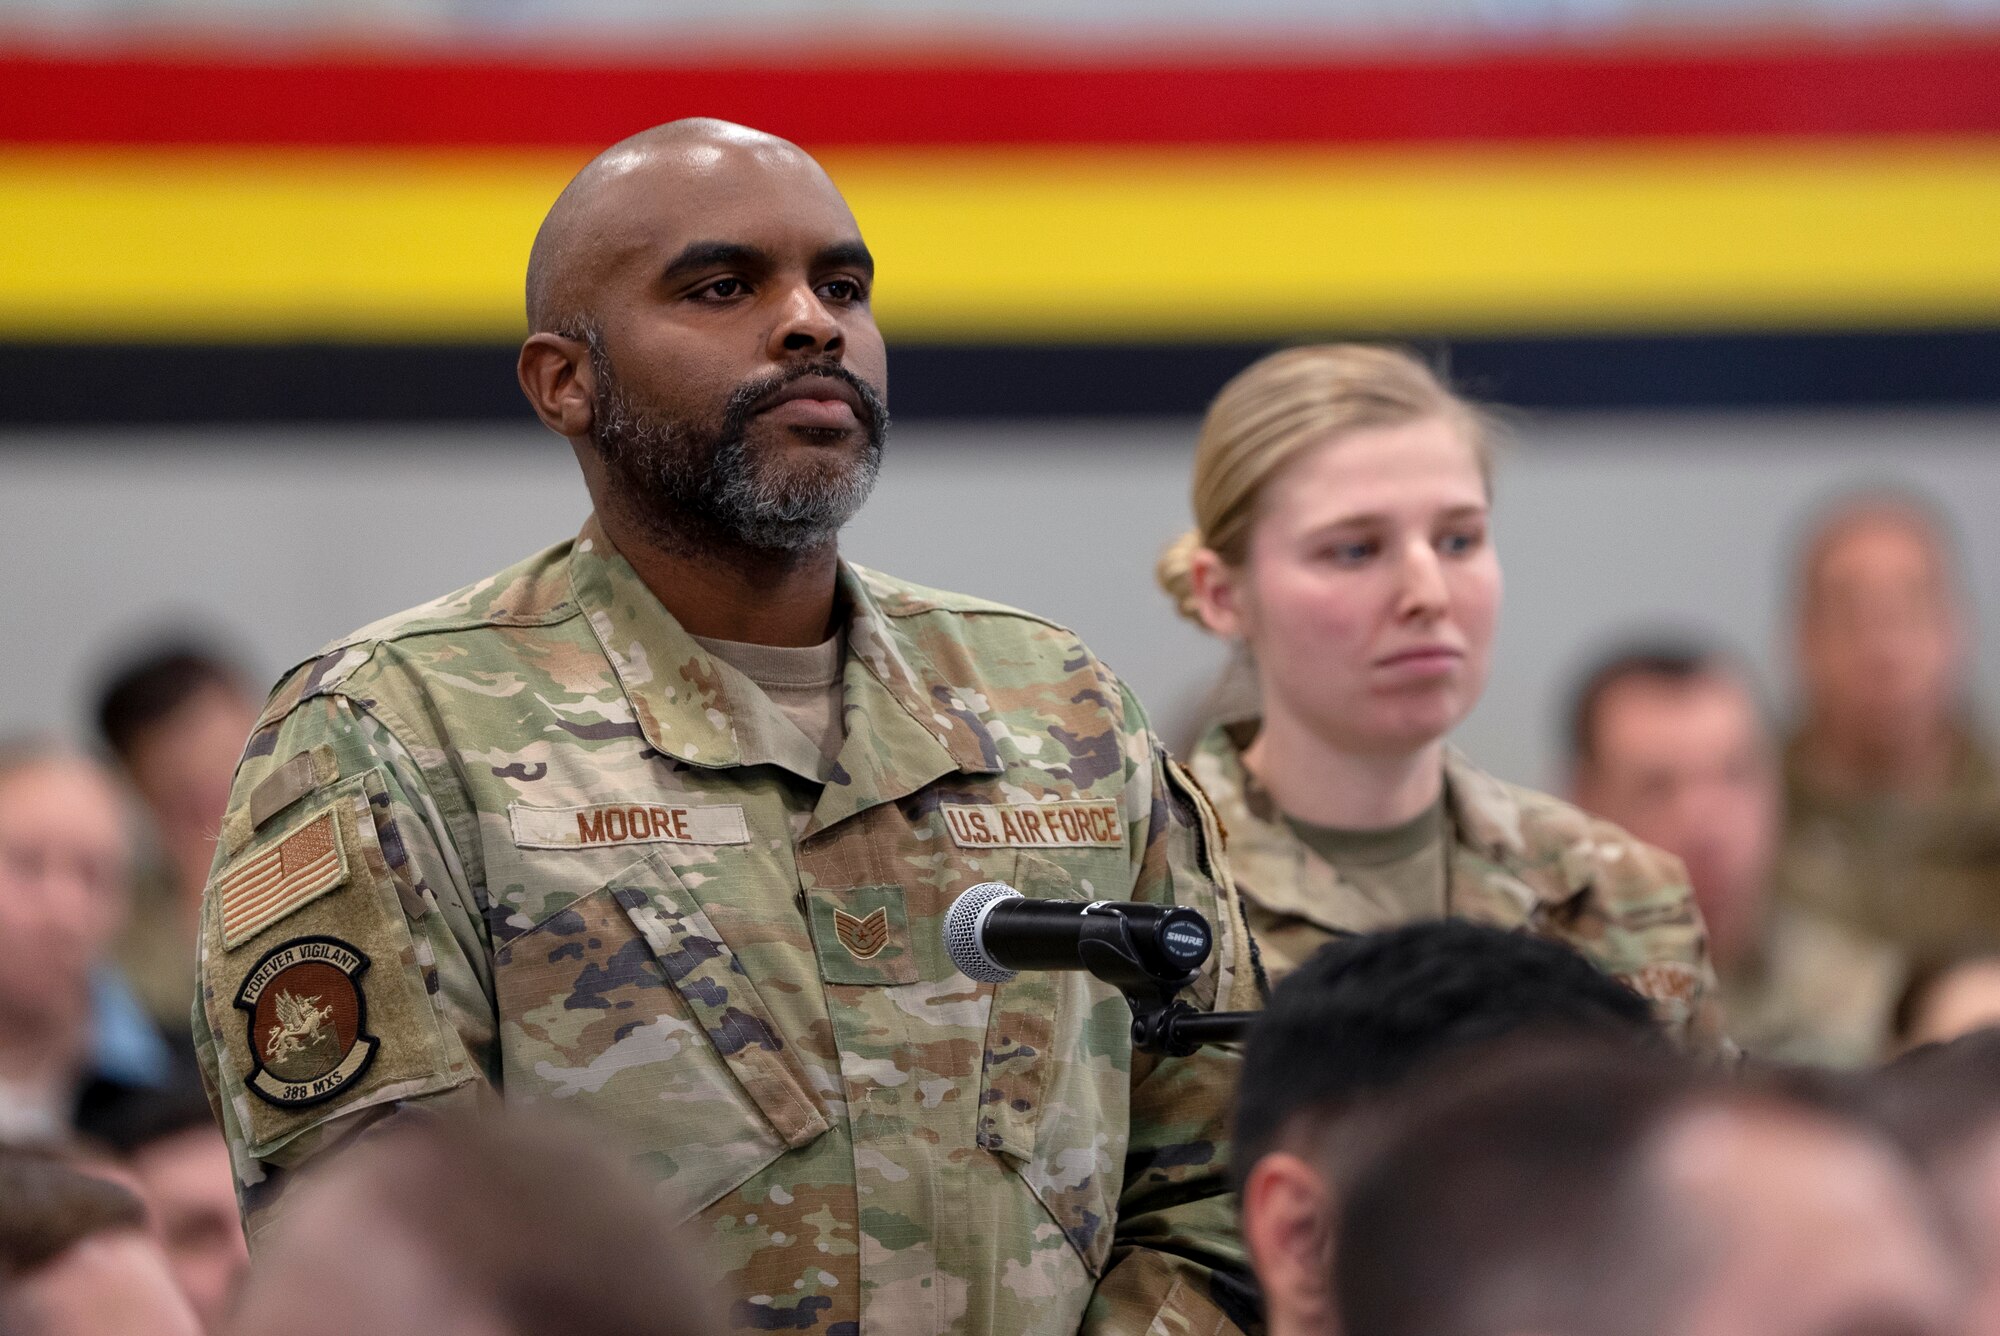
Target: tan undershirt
pixel 1403 867
pixel 804 683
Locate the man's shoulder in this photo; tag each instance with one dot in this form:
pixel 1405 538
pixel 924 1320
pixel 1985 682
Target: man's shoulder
pixel 1003 640
pixel 904 599
pixel 534 591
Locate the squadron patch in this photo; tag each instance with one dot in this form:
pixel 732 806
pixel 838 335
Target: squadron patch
pixel 304 865
pixel 308 1021
pixel 864 936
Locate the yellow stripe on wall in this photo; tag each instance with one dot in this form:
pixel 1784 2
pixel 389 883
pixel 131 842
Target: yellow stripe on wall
pixel 978 244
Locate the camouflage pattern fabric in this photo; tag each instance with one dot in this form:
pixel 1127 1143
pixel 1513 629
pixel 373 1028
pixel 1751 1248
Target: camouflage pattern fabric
pixel 1922 875
pixel 1812 992
pixel 531 839
pixel 1517 859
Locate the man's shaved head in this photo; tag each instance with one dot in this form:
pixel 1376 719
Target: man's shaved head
pixel 570 248
pixel 702 331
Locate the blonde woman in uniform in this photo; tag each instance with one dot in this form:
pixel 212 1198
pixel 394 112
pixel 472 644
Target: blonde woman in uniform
pixel 1341 499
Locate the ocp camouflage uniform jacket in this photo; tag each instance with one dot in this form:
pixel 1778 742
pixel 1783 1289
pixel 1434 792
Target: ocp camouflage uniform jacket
pixel 531 837
pixel 1518 859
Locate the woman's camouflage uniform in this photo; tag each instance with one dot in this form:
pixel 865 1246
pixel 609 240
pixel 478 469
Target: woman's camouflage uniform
pixel 1518 859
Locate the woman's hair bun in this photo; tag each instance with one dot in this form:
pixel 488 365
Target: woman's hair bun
pixel 1175 573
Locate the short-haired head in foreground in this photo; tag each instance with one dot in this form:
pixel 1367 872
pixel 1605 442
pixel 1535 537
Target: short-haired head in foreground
pixel 1360 1017
pixel 1365 1012
pixel 701 331
pixel 1941 1103
pixel 478 1225
pixel 1597 1192
pixel 75 1255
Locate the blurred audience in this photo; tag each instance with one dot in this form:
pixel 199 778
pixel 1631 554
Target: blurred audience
pixel 1948 999
pixel 1893 793
pixel 1592 1192
pixel 76 1258
pixel 176 718
pixel 1667 741
pixel 74 1043
pixel 1352 1023
pixel 1342 497
pixel 477 1226
pixel 169 1143
pixel 1942 1103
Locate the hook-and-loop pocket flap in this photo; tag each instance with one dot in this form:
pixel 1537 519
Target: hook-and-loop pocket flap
pixel 719 997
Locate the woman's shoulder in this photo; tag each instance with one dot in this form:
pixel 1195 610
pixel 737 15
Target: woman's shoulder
pixel 1531 830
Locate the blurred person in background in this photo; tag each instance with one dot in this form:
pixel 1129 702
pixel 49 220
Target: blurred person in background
pixel 1590 1192
pixel 664 823
pixel 1942 1103
pixel 168 1142
pixel 1945 1000
pixel 1355 1022
pixel 480 1226
pixel 76 1258
pixel 1341 498
pixel 74 1042
pixel 1893 797
pixel 176 718
pixel 1667 742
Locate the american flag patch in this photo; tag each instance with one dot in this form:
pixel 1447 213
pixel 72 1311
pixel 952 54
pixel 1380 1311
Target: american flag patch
pixel 306 864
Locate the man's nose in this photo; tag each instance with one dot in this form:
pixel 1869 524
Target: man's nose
pixel 805 328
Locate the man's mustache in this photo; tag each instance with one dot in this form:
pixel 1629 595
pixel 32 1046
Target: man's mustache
pixel 744 402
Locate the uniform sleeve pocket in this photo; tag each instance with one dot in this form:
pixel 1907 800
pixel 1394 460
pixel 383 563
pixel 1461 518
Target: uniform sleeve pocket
pixel 630 1007
pixel 312 981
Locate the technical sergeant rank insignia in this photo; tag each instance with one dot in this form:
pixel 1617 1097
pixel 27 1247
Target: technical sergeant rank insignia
pixel 308 1021
pixel 864 936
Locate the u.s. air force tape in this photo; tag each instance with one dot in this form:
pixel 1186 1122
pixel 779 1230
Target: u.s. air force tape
pixel 308 1021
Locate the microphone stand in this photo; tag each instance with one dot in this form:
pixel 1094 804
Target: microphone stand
pixel 1171 1027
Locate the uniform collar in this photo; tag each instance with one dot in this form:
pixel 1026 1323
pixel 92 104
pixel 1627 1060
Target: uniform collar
pixel 905 725
pixel 1279 871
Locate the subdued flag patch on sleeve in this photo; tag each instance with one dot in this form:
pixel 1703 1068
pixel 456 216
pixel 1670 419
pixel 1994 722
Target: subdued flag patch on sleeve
pixel 298 869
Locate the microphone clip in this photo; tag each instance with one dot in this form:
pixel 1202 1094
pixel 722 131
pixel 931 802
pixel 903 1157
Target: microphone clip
pixel 1149 980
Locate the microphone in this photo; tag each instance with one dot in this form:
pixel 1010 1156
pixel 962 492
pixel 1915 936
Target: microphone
pixel 992 931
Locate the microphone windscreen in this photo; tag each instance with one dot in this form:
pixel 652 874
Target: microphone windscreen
pixel 962 923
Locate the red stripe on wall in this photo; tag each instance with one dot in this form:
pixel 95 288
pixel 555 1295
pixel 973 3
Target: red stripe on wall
pixel 1909 88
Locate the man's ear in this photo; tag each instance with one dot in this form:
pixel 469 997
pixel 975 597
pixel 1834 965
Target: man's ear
pixel 1288 1226
pixel 557 377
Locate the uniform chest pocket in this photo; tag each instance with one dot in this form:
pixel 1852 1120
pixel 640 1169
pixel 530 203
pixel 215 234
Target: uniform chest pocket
pixel 861 934
pixel 628 1006
pixel 1055 1098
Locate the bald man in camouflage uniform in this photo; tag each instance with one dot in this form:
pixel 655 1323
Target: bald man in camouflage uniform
pixel 659 826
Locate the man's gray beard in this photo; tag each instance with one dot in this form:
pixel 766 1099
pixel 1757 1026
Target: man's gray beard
pixel 691 489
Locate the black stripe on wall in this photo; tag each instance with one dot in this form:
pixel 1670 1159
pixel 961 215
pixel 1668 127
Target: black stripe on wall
pixel 188 384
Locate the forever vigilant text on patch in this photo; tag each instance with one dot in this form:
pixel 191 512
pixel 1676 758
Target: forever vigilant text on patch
pixel 1068 825
pixel 600 824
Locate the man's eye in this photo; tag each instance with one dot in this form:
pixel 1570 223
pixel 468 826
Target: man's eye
pixel 842 290
pixel 723 287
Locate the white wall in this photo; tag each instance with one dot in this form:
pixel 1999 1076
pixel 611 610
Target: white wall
pixel 291 537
